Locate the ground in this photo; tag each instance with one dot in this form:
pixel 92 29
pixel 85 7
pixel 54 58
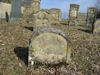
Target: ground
pixel 14 43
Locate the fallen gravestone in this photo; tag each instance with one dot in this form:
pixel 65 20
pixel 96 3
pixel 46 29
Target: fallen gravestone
pixel 97 27
pixel 48 46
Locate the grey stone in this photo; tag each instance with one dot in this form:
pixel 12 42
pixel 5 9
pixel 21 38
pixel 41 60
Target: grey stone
pixel 15 10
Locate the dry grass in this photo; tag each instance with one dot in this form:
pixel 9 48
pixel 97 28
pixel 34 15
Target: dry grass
pixel 14 42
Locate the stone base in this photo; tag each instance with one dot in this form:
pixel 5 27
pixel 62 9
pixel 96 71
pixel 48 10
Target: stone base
pixel 15 20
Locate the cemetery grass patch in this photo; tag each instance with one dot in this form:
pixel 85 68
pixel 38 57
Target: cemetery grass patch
pixel 14 43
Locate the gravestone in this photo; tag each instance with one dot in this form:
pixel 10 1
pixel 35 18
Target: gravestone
pixel 96 29
pixel 73 14
pixel 55 15
pixel 42 18
pixel 82 19
pixel 30 10
pixel 47 17
pixel 91 16
pixel 15 11
pixel 48 46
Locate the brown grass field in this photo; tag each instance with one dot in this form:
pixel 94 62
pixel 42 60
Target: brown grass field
pixel 14 42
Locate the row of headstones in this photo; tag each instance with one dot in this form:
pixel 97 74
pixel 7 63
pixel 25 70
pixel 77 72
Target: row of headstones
pixel 47 45
pixel 41 17
pixel 33 14
pixel 91 17
pixel 46 48
pixel 35 7
pixel 74 12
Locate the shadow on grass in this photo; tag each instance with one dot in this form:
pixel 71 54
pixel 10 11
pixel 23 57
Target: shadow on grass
pixel 22 53
pixel 87 31
pixel 29 28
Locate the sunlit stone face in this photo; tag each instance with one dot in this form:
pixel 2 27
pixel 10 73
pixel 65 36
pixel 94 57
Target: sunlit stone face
pixel 73 13
pixel 49 48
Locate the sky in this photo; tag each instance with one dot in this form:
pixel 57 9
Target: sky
pixel 64 5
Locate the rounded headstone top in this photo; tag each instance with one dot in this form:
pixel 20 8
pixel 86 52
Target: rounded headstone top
pixel 46 29
pixel 48 45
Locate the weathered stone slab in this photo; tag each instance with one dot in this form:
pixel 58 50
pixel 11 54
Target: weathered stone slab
pixel 97 26
pixel 82 19
pixel 48 46
pixel 30 10
pixel 47 17
pixel 15 10
pixel 91 16
pixel 41 18
pixel 55 15
pixel 73 14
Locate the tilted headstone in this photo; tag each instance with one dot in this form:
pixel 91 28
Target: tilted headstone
pixel 73 14
pixel 15 10
pixel 96 29
pixel 48 46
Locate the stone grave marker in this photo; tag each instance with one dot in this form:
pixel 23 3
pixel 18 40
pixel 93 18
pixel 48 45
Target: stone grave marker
pixel 30 9
pixel 73 14
pixel 46 17
pixel 91 16
pixel 48 46
pixel 15 11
